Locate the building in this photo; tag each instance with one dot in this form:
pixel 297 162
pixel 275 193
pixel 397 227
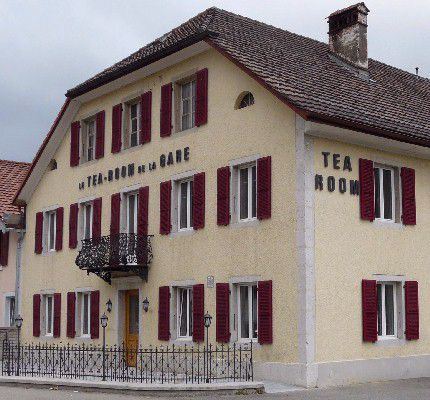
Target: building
pixel 277 182
pixel 12 174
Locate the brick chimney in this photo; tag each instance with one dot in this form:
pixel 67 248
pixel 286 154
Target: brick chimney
pixel 348 35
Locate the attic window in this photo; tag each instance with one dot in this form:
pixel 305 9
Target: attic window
pixel 52 165
pixel 246 99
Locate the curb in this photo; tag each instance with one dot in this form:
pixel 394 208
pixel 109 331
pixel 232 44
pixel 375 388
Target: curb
pixel 99 386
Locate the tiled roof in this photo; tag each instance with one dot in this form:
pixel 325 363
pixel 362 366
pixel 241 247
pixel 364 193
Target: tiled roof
pixel 12 174
pixel 301 71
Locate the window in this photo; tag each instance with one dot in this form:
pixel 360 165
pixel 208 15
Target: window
pixel 132 124
pixel 51 230
pixel 188 104
pixel 185 205
pixel 247 312
pixel 87 220
pixel 387 309
pixel 246 101
pixel 10 311
pixel 49 315
pixel 88 140
pixel 385 193
pixel 84 313
pixel 132 213
pixel 247 192
pixel 185 312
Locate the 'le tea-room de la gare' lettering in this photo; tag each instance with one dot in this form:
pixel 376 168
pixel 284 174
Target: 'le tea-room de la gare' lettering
pixel 124 171
pixel 342 184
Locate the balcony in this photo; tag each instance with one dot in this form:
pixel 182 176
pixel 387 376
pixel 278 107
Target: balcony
pixel 116 256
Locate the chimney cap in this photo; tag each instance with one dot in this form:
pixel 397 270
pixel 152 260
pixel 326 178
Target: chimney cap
pixel 354 6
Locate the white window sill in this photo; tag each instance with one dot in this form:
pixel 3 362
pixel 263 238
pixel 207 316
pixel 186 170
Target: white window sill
pixel 182 341
pixel 387 224
pixel 183 232
pixel 244 223
pixel 389 342
pixel 83 337
pixel 48 253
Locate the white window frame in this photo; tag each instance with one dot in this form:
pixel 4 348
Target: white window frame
pixel 46 297
pixel 394 192
pixel 51 218
pixel 383 311
pixel 86 139
pixel 178 312
pixel 189 226
pixel 239 312
pixel 84 219
pixel 130 121
pixel 7 301
pixel 81 316
pixel 249 168
pixel 136 200
pixel 192 99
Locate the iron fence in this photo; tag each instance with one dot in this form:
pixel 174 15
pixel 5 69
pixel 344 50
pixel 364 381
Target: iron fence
pixel 163 364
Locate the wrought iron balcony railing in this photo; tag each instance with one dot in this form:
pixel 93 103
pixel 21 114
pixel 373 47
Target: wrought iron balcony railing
pixel 115 256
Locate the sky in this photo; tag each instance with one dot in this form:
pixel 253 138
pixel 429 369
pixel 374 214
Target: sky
pixel 47 46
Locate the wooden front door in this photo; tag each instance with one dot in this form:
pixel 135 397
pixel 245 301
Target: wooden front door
pixel 131 334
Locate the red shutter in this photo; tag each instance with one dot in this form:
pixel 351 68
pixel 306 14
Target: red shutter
pixel 100 134
pixel 412 311
pixel 142 211
pixel 264 187
pixel 97 218
pixel 74 143
pixel 198 313
pixel 36 315
pixel 115 214
pixel 265 318
pixel 367 189
pixel 201 97
pixel 165 207
pixel 166 110
pixel 94 314
pixel 409 213
pixel 223 196
pixel 222 312
pixel 38 235
pixel 199 201
pixel 4 248
pixel 164 313
pixel 369 310
pixel 57 315
pixel 71 312
pixel 145 117
pixel 73 225
pixel 59 229
pixel 116 128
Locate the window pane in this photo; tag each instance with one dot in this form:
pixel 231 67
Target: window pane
pixel 254 191
pixel 183 206
pixel 85 313
pixel 389 309
pixel 388 194
pixel 51 231
pixel 49 316
pixel 131 213
pixel 254 311
pixel 244 312
pixel 191 204
pixel 183 310
pixel 377 194
pixel 379 299
pixel 87 222
pixel 11 311
pixel 243 188
pixel 133 111
pixel 190 312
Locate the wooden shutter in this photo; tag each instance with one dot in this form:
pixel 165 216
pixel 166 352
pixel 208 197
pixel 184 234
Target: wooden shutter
pixel 409 213
pixel 367 189
pixel 38 235
pixel 100 135
pixel 198 313
pixel 223 196
pixel 36 315
pixel 4 248
pixel 116 128
pixel 264 187
pixel 59 216
pixel 201 115
pixel 199 201
pixel 71 312
pixel 165 207
pixel 142 211
pixel 57 315
pixel 166 110
pixel 115 214
pixel 164 313
pixel 73 225
pixel 97 218
pixel 222 312
pixel 412 311
pixel 74 143
pixel 145 117
pixel 265 318
pixel 94 314
pixel 370 310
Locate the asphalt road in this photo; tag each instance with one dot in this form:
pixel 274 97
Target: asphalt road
pixel 412 389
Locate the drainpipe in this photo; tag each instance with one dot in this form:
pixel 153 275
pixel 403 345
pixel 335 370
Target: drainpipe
pixel 19 246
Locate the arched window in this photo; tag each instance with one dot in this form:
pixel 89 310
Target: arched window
pixel 245 99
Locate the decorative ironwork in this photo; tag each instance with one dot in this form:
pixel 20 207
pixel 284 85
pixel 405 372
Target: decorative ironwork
pixel 164 364
pixel 116 255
